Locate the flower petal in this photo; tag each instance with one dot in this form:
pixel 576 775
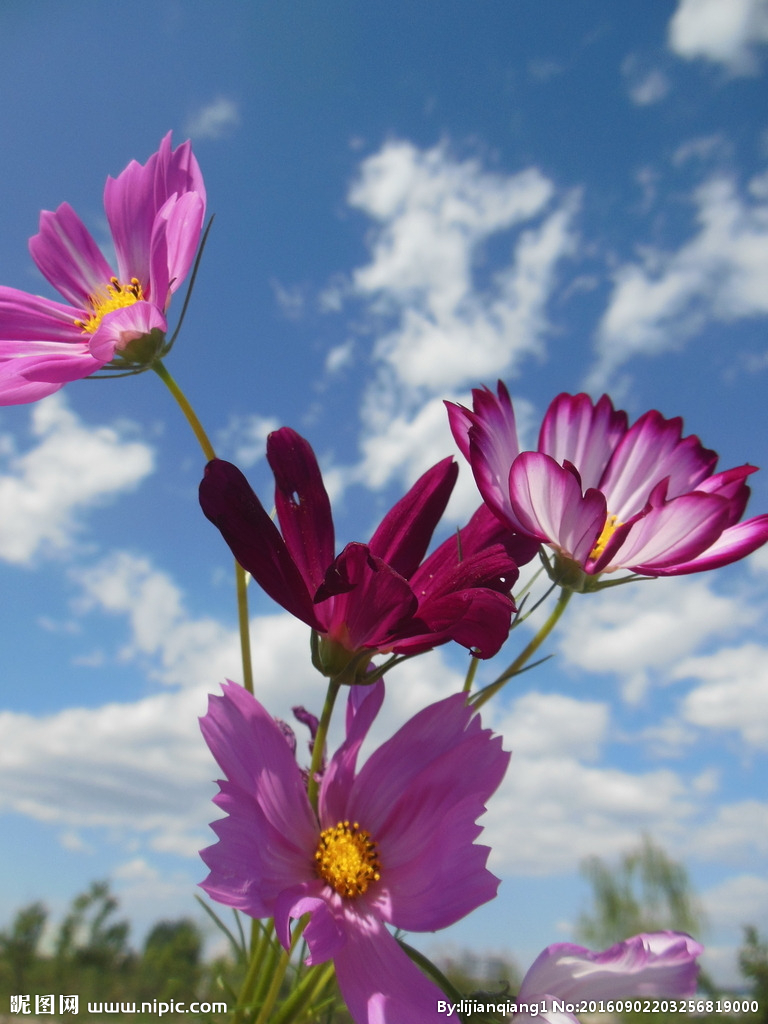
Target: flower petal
pixel 655 964
pixel 227 500
pixel 180 222
pixel 30 323
pixel 303 508
pixel 548 503
pixel 422 813
pixel 363 705
pixel 133 200
pixel 66 254
pixel 370 604
pixel 487 436
pixel 576 431
pixel 734 543
pixel 403 537
pixel 253 753
pixel 379 983
pixel 674 533
pixel 650 451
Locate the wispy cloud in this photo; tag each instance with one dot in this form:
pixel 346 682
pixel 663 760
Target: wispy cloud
pixel 215 120
pixel 719 274
pixel 440 322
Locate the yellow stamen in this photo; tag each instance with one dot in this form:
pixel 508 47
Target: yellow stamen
pixel 113 296
pixel 347 858
pixel 611 525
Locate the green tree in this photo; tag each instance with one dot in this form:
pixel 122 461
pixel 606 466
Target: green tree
pixel 91 945
pixel 753 963
pixel 19 945
pixel 170 963
pixel 645 892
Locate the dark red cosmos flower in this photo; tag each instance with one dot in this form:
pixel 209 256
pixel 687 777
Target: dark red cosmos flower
pixel 383 595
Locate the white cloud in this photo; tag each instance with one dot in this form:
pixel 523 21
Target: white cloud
pixel 733 694
pixel 440 319
pixel 659 301
pixel 214 120
pixel 727 33
pixel 553 809
pixel 641 631
pixel 434 214
pixel 73 467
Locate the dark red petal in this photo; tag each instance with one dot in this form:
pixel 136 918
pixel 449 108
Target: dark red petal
pixel 303 508
pixel 403 537
pixel 227 500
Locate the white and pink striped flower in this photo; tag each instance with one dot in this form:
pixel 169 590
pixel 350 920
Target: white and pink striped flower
pixel 606 495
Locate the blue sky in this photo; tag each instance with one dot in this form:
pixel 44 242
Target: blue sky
pixel 411 201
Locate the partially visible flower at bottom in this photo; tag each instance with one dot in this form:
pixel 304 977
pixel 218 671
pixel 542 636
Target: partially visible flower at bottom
pixel 390 844
pixel 655 964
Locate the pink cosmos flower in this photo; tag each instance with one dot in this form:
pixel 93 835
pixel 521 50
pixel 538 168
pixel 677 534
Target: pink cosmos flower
pixel 658 964
pixel 392 843
pixel 606 495
pixel 155 213
pixel 379 595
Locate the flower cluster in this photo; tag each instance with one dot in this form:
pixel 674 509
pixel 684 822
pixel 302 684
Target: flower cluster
pixel 337 853
pixel 380 596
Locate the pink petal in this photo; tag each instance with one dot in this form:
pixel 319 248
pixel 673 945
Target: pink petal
pixel 68 257
pixel 656 964
pixel 652 450
pixel 363 705
pixel 547 502
pixel 488 438
pixel 181 222
pixel 676 532
pixel 734 542
pixel 422 813
pixel 576 431
pixel 30 323
pixel 253 754
pixel 133 200
pixel 379 983
pixel 325 933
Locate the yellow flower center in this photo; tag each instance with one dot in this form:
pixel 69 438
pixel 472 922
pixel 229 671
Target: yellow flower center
pixel 347 858
pixel 611 525
pixel 113 296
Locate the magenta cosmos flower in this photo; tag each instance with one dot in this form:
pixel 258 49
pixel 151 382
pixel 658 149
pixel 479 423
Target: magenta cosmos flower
pixel 606 495
pixel 155 214
pixel 658 964
pixel 379 595
pixel 391 844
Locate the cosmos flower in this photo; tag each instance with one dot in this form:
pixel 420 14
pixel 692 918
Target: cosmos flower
pixel 379 595
pixel 658 964
pixel 606 495
pixel 155 214
pixel 391 844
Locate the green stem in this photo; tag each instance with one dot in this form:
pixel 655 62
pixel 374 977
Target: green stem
pixel 240 578
pixel 528 651
pixel 186 408
pixel 334 685
pixel 279 974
